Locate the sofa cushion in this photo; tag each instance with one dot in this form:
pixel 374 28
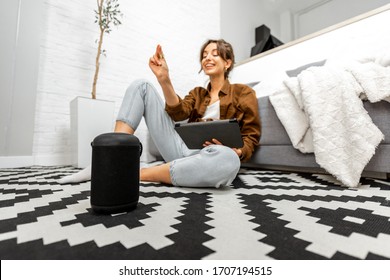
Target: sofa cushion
pixel 272 130
pixel 295 72
pixel 379 113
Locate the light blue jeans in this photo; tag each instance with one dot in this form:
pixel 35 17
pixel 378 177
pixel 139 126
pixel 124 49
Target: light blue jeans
pixel 212 166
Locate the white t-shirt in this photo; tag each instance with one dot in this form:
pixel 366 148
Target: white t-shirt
pixel 212 111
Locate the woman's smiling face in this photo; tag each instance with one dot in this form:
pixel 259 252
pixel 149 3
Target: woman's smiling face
pixel 212 62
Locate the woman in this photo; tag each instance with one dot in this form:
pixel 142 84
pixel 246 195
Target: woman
pixel 214 165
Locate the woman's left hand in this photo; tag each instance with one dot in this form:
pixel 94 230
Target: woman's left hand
pixel 158 65
pixel 216 142
pixel 213 142
pixel 238 152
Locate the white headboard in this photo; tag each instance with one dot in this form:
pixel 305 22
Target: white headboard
pixel 362 36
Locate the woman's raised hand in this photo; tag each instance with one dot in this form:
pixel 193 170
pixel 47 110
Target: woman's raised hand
pixel 158 65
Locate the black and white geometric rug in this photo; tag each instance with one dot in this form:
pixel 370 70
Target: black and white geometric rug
pixel 264 215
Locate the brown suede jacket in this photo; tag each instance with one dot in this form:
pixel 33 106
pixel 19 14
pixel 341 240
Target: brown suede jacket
pixel 236 101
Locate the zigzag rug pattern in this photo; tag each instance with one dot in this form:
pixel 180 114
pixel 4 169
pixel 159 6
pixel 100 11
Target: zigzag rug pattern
pixel 263 215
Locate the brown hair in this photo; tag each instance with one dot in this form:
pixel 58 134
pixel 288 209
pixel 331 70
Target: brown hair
pixel 225 51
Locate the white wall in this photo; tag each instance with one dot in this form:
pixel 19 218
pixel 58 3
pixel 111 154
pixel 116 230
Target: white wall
pixel 288 20
pixel 239 19
pixel 19 56
pixel 332 12
pixel 68 49
pixel 353 41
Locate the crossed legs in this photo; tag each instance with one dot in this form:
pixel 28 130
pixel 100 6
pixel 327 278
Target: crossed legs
pixel 159 173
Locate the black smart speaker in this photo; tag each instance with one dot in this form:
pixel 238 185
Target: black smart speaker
pixel 115 173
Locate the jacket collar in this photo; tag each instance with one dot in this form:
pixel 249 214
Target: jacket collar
pixel 224 90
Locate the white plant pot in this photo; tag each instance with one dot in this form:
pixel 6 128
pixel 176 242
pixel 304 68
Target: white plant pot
pixel 88 119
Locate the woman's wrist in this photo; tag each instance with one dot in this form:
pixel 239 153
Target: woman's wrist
pixel 164 80
pixel 170 96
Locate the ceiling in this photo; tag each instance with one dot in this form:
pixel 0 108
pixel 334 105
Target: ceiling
pixel 291 5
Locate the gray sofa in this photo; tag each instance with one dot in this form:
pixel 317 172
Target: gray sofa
pixel 276 151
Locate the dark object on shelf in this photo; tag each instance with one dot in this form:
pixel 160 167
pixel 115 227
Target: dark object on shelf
pixel 264 40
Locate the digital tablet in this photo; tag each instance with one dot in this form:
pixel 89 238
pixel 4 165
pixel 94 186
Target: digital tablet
pixel 195 134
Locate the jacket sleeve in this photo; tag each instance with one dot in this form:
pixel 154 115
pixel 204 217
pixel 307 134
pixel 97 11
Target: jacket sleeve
pixel 183 109
pixel 250 127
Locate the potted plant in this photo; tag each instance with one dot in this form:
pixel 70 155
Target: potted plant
pixel 90 116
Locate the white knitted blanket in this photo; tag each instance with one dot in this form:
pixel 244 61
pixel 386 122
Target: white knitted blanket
pixel 322 112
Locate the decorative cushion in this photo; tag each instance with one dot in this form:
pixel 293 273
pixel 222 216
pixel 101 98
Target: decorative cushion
pixel 295 72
